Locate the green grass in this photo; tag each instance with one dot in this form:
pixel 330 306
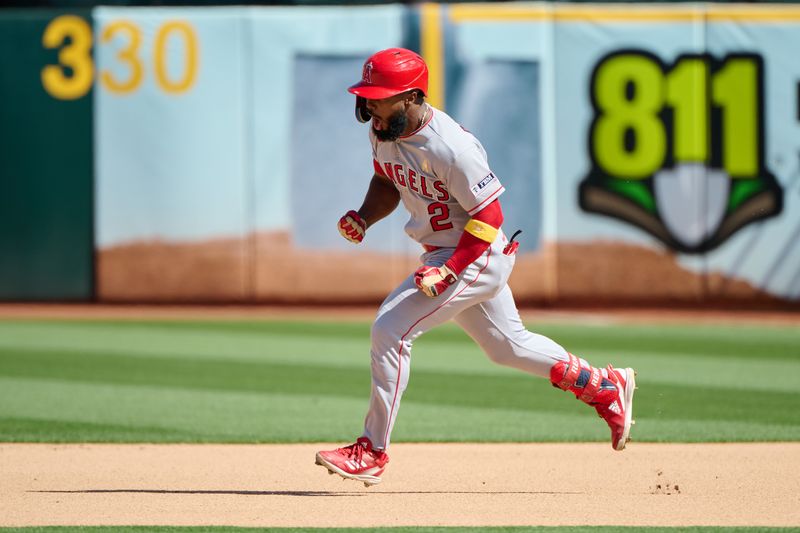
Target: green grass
pixel 283 381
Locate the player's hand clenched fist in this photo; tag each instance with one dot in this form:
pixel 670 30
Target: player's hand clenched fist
pixel 432 280
pixel 352 227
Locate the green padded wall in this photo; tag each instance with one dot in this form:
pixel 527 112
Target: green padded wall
pixel 46 182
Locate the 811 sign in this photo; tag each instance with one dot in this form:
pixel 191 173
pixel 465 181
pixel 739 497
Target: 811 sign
pixel 678 149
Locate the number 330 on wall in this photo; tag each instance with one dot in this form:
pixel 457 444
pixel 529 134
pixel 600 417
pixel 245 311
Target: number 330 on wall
pixel 72 36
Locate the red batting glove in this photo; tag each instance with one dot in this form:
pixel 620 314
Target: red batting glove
pixel 352 227
pixel 432 280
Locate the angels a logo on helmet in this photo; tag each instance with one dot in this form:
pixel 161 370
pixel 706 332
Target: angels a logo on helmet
pixel 367 75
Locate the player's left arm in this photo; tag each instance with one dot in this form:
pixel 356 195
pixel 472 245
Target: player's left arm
pixel 479 233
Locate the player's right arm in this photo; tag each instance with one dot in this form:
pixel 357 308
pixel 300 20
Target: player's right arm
pixel 381 199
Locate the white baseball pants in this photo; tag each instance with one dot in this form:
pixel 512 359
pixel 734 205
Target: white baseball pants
pixel 480 302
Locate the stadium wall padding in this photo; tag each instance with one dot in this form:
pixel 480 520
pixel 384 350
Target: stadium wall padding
pixel 46 150
pixel 649 152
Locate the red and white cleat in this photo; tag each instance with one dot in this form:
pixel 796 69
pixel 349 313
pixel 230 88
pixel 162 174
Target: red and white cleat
pixel 612 397
pixel 357 461
pixel 617 408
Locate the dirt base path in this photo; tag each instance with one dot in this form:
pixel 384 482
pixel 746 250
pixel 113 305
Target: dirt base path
pixel 425 484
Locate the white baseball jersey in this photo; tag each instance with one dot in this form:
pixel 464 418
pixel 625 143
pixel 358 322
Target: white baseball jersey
pixel 443 176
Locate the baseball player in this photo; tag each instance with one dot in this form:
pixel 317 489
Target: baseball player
pixel 440 173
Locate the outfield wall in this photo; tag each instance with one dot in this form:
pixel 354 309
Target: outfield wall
pixel 649 152
pixel 46 176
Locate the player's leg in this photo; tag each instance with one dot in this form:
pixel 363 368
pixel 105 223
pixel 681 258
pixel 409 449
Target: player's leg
pixel 496 326
pixel 402 318
pixel 405 315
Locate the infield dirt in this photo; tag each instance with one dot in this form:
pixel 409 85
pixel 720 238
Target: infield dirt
pixel 426 484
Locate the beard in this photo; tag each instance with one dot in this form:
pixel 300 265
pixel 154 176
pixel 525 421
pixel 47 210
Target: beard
pixel 396 125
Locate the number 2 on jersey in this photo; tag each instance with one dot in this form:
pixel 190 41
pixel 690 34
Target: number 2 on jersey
pixel 439 214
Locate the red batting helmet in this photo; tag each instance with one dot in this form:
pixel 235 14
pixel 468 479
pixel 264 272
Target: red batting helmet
pixel 387 73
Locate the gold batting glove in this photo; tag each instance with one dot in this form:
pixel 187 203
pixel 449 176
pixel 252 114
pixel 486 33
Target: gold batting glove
pixel 433 281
